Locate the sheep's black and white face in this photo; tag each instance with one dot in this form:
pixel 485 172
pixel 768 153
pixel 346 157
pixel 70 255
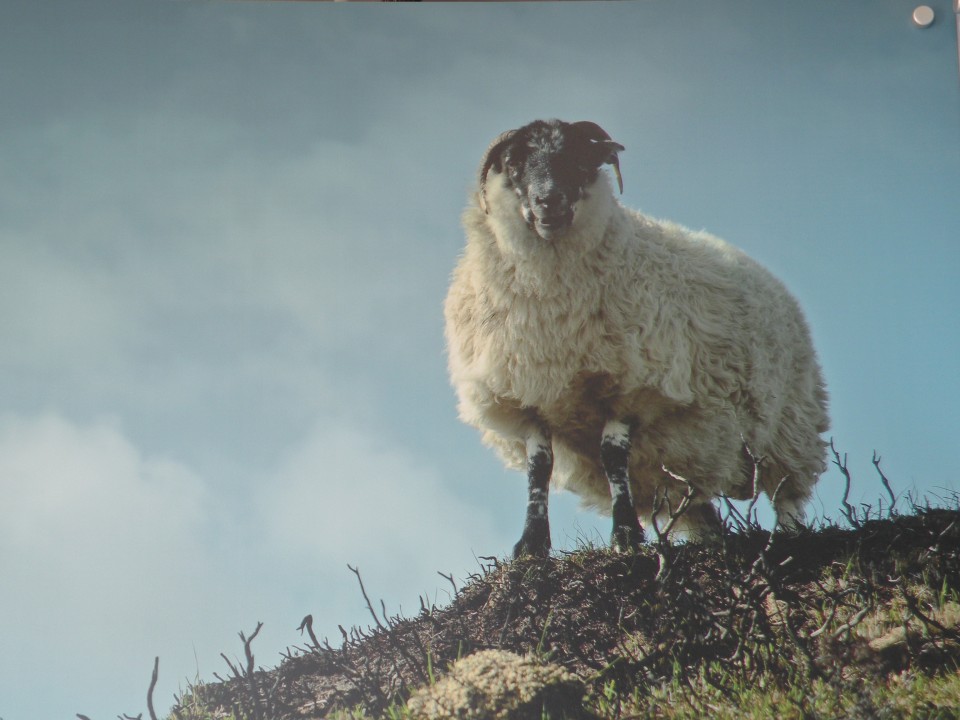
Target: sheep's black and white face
pixel 549 165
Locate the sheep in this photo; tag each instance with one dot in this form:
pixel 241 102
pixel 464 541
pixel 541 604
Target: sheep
pixel 630 360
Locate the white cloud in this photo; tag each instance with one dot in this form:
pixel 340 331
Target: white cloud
pixel 99 550
pixel 349 495
pixel 110 556
pixel 87 502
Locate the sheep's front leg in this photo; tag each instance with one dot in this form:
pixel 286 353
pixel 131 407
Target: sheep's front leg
pixel 615 456
pixel 536 529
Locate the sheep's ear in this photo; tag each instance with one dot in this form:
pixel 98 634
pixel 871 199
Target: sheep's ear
pixel 606 148
pixel 492 159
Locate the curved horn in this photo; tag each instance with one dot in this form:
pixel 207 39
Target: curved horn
pixel 594 132
pixel 491 158
pixel 591 130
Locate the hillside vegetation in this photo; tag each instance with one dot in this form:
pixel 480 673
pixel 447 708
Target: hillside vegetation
pixel 860 621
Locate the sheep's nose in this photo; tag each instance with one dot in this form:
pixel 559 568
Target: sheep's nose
pixel 549 202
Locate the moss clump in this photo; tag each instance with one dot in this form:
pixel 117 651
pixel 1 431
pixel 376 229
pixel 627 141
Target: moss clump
pixel 500 685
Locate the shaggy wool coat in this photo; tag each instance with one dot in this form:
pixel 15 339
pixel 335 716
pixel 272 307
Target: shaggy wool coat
pixel 684 337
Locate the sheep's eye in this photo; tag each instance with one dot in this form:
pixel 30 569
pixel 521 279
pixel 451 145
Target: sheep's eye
pixel 589 174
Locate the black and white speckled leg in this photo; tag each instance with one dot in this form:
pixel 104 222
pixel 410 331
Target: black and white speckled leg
pixel 536 529
pixel 615 454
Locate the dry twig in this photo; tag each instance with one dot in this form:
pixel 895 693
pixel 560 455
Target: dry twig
pixel 153 685
pixel 849 512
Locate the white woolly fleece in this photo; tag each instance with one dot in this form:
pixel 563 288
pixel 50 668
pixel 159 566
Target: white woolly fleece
pixel 625 318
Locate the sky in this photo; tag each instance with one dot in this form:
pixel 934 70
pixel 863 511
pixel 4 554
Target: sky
pixel 226 232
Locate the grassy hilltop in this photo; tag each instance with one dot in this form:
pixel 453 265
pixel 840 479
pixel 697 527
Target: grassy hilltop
pixel 860 622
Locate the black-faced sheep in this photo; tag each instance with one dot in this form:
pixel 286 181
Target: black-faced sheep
pixel 624 358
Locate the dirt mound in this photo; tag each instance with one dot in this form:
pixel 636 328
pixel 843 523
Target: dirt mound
pixel 829 605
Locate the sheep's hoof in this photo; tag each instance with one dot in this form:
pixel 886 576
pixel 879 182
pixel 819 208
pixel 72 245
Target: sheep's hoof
pixel 626 538
pixel 535 544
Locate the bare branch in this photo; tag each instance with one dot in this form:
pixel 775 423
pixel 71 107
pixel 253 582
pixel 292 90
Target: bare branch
pixel 851 623
pixel 756 460
pixel 778 523
pixel 819 631
pixel 449 579
pixel 673 515
pixel 885 481
pixel 153 685
pixel 246 647
pixel 914 608
pixel 684 505
pixel 849 512
pixel 366 597
pixel 232 667
pixel 307 623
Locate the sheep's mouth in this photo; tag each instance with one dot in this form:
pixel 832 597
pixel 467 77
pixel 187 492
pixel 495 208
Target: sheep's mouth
pixel 550 227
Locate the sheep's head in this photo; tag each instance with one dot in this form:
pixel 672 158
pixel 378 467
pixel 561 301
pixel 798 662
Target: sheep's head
pixel 549 164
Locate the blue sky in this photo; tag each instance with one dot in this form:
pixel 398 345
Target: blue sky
pixel 226 231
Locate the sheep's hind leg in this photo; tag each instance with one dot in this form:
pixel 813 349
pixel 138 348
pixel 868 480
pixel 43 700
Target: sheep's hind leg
pixel 536 529
pixel 615 456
